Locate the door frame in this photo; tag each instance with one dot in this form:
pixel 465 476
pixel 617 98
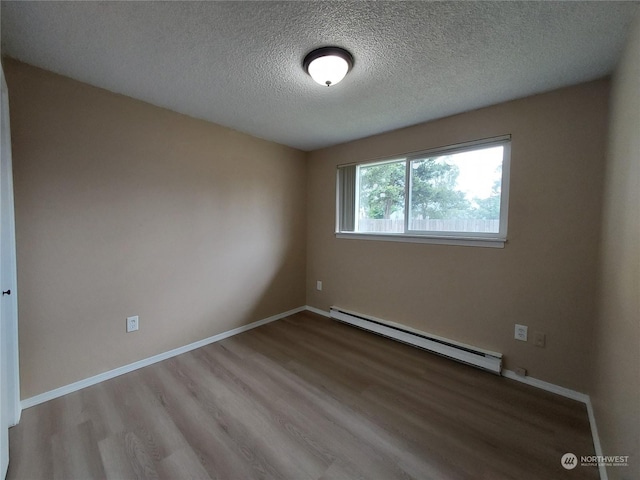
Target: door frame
pixel 10 342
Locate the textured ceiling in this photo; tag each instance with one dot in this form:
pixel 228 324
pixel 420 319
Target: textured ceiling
pixel 238 64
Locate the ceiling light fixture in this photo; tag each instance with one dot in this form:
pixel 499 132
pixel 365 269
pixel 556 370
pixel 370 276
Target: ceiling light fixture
pixel 328 65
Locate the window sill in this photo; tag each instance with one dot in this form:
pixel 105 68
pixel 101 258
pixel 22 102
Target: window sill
pixel 459 241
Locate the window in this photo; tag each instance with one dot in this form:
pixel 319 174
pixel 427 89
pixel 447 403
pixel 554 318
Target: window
pixel 455 195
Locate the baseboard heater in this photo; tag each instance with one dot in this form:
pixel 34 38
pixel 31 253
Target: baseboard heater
pixel 486 360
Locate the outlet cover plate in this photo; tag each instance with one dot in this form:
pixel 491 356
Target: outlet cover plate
pixel 521 332
pixel 319 285
pixel 132 324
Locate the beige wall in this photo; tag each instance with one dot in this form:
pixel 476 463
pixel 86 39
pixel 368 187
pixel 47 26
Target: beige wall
pixel 617 389
pixel 545 277
pixel 123 208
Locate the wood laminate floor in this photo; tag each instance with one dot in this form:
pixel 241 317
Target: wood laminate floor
pixel 303 398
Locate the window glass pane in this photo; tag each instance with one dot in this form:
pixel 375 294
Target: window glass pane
pixel 381 197
pixel 459 192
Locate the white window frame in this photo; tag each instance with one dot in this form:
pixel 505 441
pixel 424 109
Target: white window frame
pixel 480 239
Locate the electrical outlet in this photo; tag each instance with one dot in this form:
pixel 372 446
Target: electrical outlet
pixel 521 372
pixel 319 285
pixel 132 324
pixel 521 332
pixel 539 339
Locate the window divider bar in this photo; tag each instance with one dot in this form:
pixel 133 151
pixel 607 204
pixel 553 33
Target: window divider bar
pixel 407 195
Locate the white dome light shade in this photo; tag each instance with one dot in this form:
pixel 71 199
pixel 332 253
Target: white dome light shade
pixel 328 70
pixel 328 65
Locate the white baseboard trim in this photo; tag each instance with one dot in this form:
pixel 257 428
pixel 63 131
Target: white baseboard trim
pixel 318 311
pixel 596 438
pixel 549 387
pixel 87 382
